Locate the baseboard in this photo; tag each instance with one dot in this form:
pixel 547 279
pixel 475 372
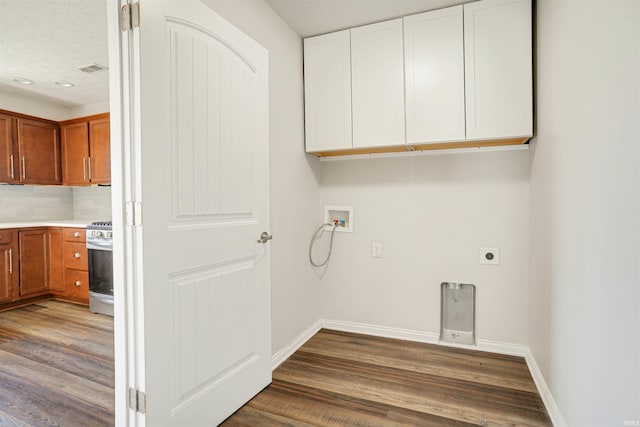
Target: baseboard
pixel 549 402
pixel 286 352
pixel 431 338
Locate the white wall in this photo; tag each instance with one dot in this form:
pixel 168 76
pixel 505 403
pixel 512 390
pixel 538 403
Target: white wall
pixel 432 214
pixel 585 209
pixel 32 106
pixel 294 186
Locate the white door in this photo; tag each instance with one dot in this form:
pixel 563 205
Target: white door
pixel 199 168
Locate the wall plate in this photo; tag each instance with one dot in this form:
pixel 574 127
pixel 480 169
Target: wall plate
pixel 490 256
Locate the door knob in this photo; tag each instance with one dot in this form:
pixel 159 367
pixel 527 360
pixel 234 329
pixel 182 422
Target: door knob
pixel 265 237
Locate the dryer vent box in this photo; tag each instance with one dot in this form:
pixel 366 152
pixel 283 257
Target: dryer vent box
pixel 458 313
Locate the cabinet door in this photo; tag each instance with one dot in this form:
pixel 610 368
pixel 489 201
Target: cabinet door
pixel 8 271
pixel 377 79
pixel 33 267
pixel 434 76
pixel 498 69
pixel 39 149
pixel 8 150
pixel 327 92
pixel 100 151
pixel 54 260
pixel 74 139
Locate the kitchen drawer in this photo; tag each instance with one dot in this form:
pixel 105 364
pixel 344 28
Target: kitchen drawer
pixel 6 236
pixel 75 256
pixel 76 285
pixel 74 235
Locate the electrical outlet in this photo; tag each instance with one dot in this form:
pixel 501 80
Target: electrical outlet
pixel 490 256
pixel 376 250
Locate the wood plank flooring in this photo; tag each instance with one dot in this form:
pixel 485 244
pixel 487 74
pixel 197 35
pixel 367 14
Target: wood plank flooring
pixel 56 366
pixel 344 379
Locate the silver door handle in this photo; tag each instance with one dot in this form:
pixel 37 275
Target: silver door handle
pixel 84 168
pixel 24 169
pixel 10 261
pixel 265 237
pixel 89 163
pixel 11 173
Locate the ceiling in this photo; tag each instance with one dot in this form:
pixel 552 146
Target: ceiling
pixel 46 41
pixel 313 17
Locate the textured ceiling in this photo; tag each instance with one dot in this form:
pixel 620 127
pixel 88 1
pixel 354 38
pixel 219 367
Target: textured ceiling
pixel 46 40
pixel 312 17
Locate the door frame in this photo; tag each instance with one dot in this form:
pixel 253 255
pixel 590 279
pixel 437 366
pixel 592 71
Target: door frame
pixel 128 320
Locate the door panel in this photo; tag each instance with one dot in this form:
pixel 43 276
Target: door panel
pixel 8 150
pixel 33 267
pixel 100 150
pixel 202 178
pixel 39 148
pixel 74 139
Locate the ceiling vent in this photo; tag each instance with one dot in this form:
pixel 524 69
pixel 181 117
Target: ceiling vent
pixel 92 68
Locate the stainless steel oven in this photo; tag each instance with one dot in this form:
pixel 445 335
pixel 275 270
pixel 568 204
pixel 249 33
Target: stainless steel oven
pixel 100 254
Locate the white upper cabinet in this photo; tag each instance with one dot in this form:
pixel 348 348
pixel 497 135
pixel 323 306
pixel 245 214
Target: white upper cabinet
pixel 327 91
pixel 434 76
pixel 459 77
pixel 377 84
pixel 498 69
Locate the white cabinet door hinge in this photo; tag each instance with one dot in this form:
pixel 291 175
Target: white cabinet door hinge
pixel 133 214
pixel 130 16
pixel 137 400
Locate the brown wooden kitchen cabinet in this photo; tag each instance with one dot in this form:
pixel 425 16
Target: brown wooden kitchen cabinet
pixel 76 266
pixel 8 149
pixel 40 266
pixel 38 152
pixel 86 150
pixel 8 265
pixel 29 150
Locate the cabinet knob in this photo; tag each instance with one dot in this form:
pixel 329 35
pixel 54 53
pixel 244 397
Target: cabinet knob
pixel 76 234
pixel 77 283
pixel 76 255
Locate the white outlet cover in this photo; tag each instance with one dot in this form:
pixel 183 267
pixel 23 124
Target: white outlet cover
pixel 493 259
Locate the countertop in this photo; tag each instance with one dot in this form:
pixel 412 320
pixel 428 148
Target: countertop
pixel 75 223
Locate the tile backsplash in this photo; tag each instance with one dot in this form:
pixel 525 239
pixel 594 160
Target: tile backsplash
pixel 92 203
pixel 39 202
pixel 34 203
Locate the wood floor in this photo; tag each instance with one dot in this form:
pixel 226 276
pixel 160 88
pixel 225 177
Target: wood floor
pixel 56 366
pixel 344 379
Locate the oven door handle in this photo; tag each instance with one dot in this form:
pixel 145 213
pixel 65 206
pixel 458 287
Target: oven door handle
pixel 100 246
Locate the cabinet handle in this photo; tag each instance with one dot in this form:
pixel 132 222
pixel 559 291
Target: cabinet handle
pixel 76 234
pixel 76 255
pixel 10 261
pixel 84 168
pixel 89 158
pixel 77 283
pixel 24 169
pixel 11 172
